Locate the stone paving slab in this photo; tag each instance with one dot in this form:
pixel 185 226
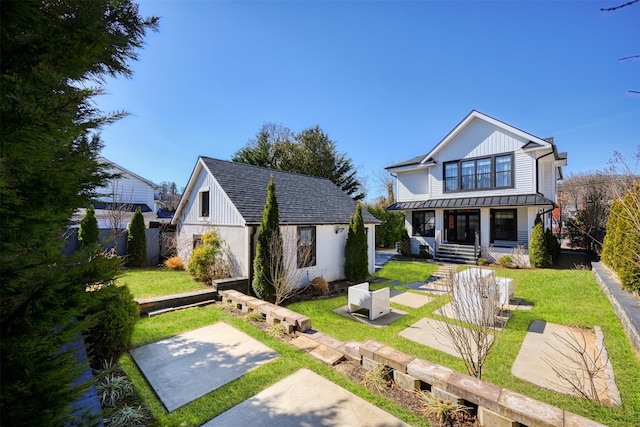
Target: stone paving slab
pixel 428 287
pixel 410 299
pixel 187 366
pixel 530 363
pixel 305 399
pixel 378 323
pixel 431 333
pixel 327 354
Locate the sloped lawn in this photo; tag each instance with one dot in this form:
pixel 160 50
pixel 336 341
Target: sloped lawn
pixel 154 281
pixel 570 297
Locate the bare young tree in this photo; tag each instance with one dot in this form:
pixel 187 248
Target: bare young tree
pixel 117 211
pixel 578 370
pixel 286 275
pixel 473 321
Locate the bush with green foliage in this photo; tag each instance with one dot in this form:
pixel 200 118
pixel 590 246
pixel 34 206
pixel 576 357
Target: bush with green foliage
pixel 553 246
pixel 207 259
pixel 356 266
pixel 405 243
pixel 483 261
pixel 538 253
pixel 137 241
pixel 88 233
pixel 390 230
pixel 622 242
pixel 505 261
pixel 269 231
pixel 113 315
pixel 56 57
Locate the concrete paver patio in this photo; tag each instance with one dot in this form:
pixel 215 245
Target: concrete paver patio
pixel 305 399
pixel 190 365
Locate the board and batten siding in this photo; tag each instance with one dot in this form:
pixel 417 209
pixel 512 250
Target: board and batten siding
pixel 221 210
pixel 413 185
pixel 127 189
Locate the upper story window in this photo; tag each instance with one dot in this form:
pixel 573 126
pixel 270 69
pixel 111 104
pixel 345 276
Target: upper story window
pixel 204 203
pixel 483 173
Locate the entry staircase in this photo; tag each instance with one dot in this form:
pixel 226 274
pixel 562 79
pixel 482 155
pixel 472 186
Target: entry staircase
pixel 454 253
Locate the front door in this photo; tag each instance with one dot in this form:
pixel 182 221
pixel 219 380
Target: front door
pixel 461 226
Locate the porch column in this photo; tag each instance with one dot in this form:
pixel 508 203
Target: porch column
pixel 485 227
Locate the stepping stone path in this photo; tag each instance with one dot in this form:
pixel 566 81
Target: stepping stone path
pixel 439 282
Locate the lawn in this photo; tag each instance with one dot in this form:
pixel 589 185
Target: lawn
pixel 207 407
pixel 570 297
pixel 565 296
pixel 153 282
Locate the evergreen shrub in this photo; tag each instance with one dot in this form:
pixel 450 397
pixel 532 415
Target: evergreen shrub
pixel 88 233
pixel 356 266
pixel 268 232
pixel 538 253
pixel 137 241
pixel 207 262
pixel 113 314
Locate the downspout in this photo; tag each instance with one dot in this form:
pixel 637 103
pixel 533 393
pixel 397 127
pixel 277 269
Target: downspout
pixel 252 253
pixel 538 181
pixel 538 169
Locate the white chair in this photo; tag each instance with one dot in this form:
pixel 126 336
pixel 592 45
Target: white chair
pixel 376 302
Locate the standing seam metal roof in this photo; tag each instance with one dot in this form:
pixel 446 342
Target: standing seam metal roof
pixel 474 202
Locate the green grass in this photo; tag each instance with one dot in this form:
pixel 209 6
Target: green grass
pixel 207 407
pixel 154 281
pixel 559 295
pixel 569 297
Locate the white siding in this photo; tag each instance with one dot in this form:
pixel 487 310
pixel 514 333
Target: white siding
pixel 413 185
pixel 236 244
pixel 221 210
pixel 547 171
pixel 127 189
pixel 523 225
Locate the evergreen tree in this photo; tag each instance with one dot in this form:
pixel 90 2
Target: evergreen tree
pixel 538 253
pixel 310 152
pixel 609 249
pixel 88 233
pixel 356 266
pixel 52 52
pixel 268 232
pixel 553 247
pixel 137 241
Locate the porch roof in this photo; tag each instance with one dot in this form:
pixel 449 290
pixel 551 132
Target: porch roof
pixel 474 202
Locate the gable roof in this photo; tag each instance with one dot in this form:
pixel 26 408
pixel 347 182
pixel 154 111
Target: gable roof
pixel 126 171
pixel 533 142
pixel 302 199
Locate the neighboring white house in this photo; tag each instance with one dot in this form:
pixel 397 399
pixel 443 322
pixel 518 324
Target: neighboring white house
pixel 478 189
pixel 230 197
pixel 126 193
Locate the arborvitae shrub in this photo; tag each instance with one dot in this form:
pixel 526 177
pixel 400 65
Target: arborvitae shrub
pixel 269 230
pixel 628 266
pixel 88 233
pixel 538 254
pixel 356 267
pixel 137 241
pixel 553 247
pixel 113 314
pixel 174 263
pixel 405 243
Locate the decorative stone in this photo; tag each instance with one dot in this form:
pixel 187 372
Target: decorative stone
pixel 255 303
pixel 267 308
pixel 369 347
pixel 430 373
pixel 474 390
pixel 303 324
pixel 528 411
pixel 351 351
pixel 573 420
pixel 330 341
pixel 489 418
pixel 445 395
pixel 405 382
pixel 393 358
pixel 369 364
pixel 304 343
pixel 326 354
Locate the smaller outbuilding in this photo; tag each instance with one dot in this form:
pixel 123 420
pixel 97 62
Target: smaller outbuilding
pixel 229 197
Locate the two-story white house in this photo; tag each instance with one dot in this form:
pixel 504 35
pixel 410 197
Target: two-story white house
pixel 478 191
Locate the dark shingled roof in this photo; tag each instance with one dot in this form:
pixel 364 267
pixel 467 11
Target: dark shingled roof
pixel 474 202
pixel 416 160
pixel 302 199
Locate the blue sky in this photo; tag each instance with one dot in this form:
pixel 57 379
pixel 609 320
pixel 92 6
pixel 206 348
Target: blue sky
pixel 385 80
